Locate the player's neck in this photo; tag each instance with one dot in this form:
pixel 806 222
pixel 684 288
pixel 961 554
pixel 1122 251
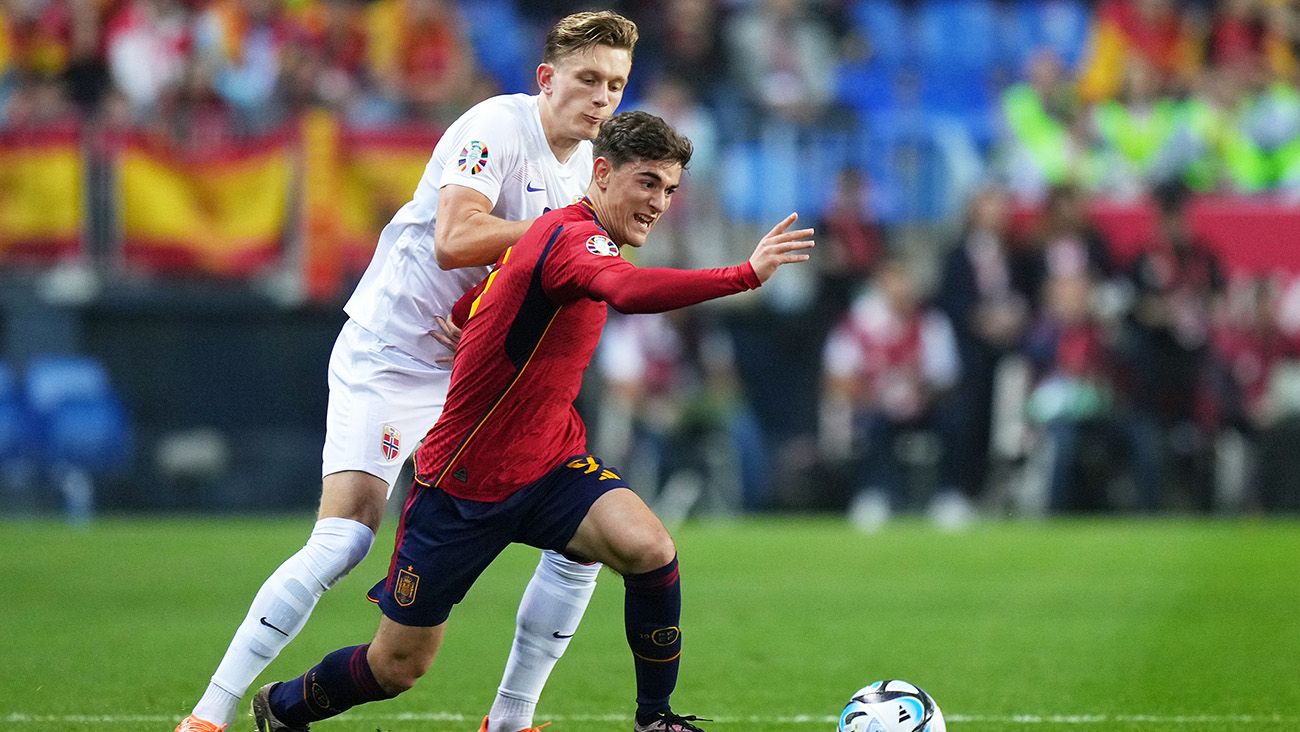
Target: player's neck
pixel 562 146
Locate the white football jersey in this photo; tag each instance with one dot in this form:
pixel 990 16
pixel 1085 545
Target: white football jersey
pixel 496 148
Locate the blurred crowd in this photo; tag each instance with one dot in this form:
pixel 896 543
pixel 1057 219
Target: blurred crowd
pixel 1018 363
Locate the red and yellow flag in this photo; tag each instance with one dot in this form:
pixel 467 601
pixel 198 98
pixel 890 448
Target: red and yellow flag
pixel 223 211
pixel 41 194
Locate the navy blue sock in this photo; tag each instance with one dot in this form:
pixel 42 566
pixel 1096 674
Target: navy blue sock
pixel 341 680
pixel 652 611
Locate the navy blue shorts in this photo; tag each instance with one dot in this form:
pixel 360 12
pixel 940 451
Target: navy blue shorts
pixel 444 543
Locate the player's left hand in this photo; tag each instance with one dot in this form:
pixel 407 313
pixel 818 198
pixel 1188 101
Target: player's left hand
pixel 779 247
pixel 448 335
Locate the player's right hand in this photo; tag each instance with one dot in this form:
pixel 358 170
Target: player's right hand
pixel 779 247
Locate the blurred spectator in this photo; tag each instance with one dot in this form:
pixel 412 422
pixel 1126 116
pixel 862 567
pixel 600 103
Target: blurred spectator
pixel 1068 244
pixel 672 418
pixel 1220 151
pixel 1046 141
pixel 326 63
pixel 1178 282
pixel 1138 134
pixel 888 366
pixel 783 58
pixel 421 53
pixel 241 46
pixel 1073 400
pixel 682 225
pixel 988 308
pixel 1154 33
pixel 850 243
pixel 149 45
pixel 690 46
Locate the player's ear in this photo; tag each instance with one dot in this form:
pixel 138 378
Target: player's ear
pixel 545 75
pixel 600 170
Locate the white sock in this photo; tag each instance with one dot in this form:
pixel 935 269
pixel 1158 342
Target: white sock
pixel 281 609
pixel 549 614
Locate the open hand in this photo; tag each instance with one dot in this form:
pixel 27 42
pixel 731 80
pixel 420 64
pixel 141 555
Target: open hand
pixel 779 247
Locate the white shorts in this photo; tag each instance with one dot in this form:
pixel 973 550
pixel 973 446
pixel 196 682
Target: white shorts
pixel 382 403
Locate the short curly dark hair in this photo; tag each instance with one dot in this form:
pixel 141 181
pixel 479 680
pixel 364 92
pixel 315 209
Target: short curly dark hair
pixel 641 136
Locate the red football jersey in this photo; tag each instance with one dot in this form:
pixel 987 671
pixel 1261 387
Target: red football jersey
pixel 533 326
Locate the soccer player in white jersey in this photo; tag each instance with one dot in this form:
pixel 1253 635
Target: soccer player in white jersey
pixel 503 163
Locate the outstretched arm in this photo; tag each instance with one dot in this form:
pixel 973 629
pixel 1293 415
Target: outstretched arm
pixel 629 289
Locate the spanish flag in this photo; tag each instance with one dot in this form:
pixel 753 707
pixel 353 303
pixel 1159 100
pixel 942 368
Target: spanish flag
pixel 221 211
pixel 41 194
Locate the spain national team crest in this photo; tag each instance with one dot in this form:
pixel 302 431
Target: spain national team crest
pixel 391 442
pixel 603 246
pixel 408 583
pixel 473 157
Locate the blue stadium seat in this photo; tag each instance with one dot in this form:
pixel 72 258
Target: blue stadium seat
pixel 15 432
pixel 960 32
pixel 500 42
pixel 887 30
pixel 867 87
pixel 1060 26
pixel 81 421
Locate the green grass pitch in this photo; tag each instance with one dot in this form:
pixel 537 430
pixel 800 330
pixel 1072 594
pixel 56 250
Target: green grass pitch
pixel 1084 625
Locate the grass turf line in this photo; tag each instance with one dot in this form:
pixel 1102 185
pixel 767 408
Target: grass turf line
pixel 1144 624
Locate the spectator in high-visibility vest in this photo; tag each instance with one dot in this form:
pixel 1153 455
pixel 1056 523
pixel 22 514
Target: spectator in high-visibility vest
pixel 1212 131
pixel 1138 134
pixel 1045 141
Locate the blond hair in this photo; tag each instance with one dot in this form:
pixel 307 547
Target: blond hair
pixel 580 31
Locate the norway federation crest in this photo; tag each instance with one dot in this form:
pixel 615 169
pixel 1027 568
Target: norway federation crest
pixel 602 246
pixel 473 157
pixel 391 443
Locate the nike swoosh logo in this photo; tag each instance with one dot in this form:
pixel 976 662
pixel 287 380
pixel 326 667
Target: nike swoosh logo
pixel 530 189
pixel 272 627
pixel 561 636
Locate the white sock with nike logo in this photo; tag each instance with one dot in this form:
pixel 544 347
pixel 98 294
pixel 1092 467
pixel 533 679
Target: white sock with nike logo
pixel 281 609
pixel 549 614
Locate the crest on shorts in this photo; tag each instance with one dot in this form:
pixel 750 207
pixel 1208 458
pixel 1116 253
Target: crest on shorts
pixel 391 443
pixel 473 157
pixel 602 245
pixel 408 583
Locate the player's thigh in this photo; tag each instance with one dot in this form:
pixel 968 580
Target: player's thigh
pixel 621 531
pixel 400 654
pixel 382 401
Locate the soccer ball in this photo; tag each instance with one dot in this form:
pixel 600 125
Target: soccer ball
pixel 891 706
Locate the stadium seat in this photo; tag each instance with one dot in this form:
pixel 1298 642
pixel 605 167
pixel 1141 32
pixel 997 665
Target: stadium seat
pixel 886 28
pixel 15 443
pixel 82 423
pixel 1060 26
pixel 499 44
pixel 867 87
pixel 958 32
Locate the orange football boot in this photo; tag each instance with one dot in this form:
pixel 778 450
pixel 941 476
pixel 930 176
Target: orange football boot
pixel 484 727
pixel 194 724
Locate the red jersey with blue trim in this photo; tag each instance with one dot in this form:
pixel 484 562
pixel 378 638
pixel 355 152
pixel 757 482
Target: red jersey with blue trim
pixel 532 328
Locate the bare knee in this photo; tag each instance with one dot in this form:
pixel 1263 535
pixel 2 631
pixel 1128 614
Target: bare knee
pixel 647 551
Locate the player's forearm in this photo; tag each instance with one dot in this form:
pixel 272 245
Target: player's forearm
pixel 635 290
pixel 475 240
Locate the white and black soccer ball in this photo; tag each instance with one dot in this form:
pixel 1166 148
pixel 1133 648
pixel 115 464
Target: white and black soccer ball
pixel 891 706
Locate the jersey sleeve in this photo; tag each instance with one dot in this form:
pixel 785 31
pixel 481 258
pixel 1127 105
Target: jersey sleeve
pixel 591 267
pixel 486 152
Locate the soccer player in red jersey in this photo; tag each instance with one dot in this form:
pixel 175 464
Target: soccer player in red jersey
pixel 507 460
